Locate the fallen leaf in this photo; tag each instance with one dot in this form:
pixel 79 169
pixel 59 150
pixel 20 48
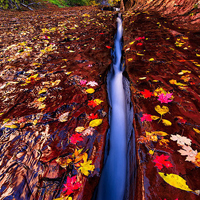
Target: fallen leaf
pixel 151 59
pixel 162 160
pixel 196 130
pixel 83 82
pixel 153 117
pixel 63 117
pixel 95 122
pixel 71 185
pixel 175 181
pixel 98 101
pixel 76 138
pixel 90 90
pixel 161 133
pixel 189 152
pixel 181 140
pixel 164 142
pixel 86 166
pixel 162 110
pixel 93 116
pixel 146 93
pixel 92 83
pixel 11 126
pixel 79 129
pixel 165 98
pixel 166 122
pixel 146 117
pixel 42 91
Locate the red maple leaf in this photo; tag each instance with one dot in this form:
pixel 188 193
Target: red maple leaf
pixel 161 160
pixel 93 116
pixel 146 117
pixel 92 103
pixel 71 185
pixel 108 47
pixel 139 44
pixel 146 93
pixel 76 138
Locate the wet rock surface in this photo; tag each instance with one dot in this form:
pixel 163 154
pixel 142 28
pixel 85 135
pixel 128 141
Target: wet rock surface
pixel 162 61
pixel 54 107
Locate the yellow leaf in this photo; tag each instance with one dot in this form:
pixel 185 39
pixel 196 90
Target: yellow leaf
pixel 151 59
pixel 79 129
pixel 68 73
pixel 130 59
pixel 172 81
pixel 35 122
pixel 80 157
pixel 151 152
pixel 33 77
pixel 90 90
pixel 175 181
pixel 41 106
pixel 5 120
pixel 86 166
pixel 197 54
pixel 196 130
pixel 11 126
pixel 41 99
pixel 142 78
pixel 159 133
pixel 131 43
pixel 162 110
pixel 158 91
pixel 95 122
pixel 140 54
pixel 166 122
pixel 164 142
pixel 154 117
pixel 98 101
pixel 63 198
pixel 77 152
pixel 42 91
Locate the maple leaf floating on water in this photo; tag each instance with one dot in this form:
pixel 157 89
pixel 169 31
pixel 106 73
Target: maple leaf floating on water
pixel 146 117
pixel 189 152
pixel 181 140
pixel 71 185
pixel 165 98
pixel 76 138
pixel 146 93
pixel 161 160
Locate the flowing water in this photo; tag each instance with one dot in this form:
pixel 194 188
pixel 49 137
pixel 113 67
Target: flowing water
pixel 113 179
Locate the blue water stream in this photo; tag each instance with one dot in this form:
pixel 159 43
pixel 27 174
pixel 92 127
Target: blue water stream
pixel 113 179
